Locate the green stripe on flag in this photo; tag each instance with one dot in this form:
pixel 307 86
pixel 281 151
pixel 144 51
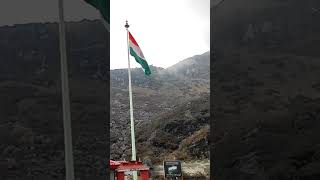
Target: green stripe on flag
pixel 103 6
pixel 141 61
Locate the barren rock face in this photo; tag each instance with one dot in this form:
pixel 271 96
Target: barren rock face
pixel 31 126
pixel 164 92
pixel 265 89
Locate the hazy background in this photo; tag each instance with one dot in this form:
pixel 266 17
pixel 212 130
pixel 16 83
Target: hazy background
pixel 167 31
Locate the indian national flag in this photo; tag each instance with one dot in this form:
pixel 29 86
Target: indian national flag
pixel 136 52
pixel 104 7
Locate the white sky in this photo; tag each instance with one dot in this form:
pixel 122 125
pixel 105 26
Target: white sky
pixel 167 31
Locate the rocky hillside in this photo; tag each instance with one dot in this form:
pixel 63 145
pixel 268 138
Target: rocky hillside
pixel 264 21
pixel 164 91
pixel 196 67
pixel 266 90
pixel 31 127
pixel 181 133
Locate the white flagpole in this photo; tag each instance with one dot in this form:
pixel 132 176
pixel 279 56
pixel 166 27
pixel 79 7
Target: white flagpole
pixel 133 143
pixel 65 98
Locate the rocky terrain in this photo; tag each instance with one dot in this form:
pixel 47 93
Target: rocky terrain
pixel 31 127
pixel 266 90
pixel 176 90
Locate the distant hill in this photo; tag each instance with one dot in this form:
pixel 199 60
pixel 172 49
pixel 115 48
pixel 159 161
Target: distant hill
pixel 162 92
pixel 264 23
pixel 193 67
pixel 31 126
pixel 266 89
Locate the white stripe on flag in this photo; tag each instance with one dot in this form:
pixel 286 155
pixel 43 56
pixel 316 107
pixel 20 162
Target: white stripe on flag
pixel 136 49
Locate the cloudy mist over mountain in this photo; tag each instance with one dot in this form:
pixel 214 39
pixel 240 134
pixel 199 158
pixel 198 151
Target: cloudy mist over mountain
pixel 185 24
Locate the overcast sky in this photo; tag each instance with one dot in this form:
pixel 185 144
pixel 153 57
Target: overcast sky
pixel 167 30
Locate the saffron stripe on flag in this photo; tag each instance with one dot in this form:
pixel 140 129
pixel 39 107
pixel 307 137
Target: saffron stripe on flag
pixel 136 52
pixel 133 40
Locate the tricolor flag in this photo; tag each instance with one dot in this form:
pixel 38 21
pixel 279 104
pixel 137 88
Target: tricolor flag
pixel 136 52
pixel 104 7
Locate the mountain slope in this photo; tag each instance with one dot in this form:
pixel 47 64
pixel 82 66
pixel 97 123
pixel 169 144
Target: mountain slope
pixel 193 67
pixel 181 133
pixel 163 91
pixel 266 90
pixel 31 123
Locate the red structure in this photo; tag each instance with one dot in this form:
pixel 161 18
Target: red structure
pixel 120 167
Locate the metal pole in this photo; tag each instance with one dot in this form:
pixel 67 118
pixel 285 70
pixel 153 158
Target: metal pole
pixel 65 98
pixel 133 143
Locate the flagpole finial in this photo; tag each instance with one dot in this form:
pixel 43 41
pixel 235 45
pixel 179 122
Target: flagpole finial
pixel 127 25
